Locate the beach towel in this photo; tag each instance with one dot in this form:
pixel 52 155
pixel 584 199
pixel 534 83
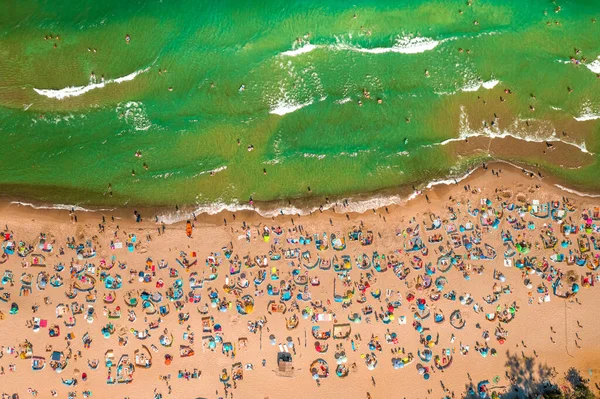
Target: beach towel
pixel 324 317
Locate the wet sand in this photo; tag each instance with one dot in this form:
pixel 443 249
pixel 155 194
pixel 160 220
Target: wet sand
pixel 545 337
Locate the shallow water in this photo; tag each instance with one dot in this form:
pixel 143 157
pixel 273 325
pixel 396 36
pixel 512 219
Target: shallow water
pixel 305 66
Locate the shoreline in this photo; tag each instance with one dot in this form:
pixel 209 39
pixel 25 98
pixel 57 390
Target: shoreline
pixel 352 204
pixel 557 344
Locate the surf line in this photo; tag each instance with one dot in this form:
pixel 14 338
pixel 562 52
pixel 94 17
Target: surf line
pixel 74 91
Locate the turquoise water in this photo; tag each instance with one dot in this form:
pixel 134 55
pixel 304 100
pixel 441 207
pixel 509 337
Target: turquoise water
pixel 173 93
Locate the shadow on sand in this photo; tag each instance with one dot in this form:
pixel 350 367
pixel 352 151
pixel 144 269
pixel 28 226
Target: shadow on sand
pixel 528 378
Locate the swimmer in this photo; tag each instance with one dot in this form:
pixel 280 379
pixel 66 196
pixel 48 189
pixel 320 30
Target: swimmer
pixel 426 73
pixel 145 165
pixel 379 101
pixel 127 38
pixel 171 88
pixel 265 171
pixel 250 148
pixel 138 154
pixel 132 172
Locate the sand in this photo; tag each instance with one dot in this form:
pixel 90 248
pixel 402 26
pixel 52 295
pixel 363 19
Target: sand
pixel 547 338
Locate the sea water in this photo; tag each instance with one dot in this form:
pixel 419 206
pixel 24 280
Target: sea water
pixel 333 98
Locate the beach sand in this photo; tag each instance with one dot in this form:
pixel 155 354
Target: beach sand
pixel 544 339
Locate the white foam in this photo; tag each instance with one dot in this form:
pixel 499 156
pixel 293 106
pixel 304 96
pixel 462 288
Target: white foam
pixel 594 66
pixel 283 107
pixel 403 45
pixel 59 207
pixel 450 181
pixel 212 171
pixel 134 113
pixel 587 113
pixel 310 155
pixel 474 86
pixel 303 49
pixel 353 205
pixel 577 192
pixel 466 132
pixel 343 100
pixel 587 117
pixel 75 91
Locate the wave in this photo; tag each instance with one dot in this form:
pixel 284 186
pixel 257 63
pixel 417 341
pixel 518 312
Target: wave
pixel 62 207
pixel 594 66
pixel 283 107
pixel 353 205
pixel 587 113
pixel 343 100
pixel 212 171
pixel 466 132
pixel 303 49
pixel 474 86
pixel 587 117
pixel 569 190
pixel 310 155
pixel 402 45
pixel 75 91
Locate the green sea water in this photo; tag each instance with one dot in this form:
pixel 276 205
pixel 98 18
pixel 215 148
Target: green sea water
pixel 340 98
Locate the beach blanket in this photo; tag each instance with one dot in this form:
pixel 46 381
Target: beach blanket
pixel 324 317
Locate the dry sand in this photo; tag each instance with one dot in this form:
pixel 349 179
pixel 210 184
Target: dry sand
pixel 573 346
